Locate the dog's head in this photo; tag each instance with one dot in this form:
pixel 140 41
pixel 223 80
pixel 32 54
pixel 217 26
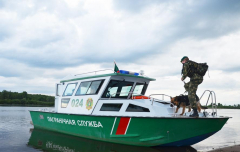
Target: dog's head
pixel 174 100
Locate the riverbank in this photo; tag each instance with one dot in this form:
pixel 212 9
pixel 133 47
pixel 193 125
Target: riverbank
pixel 235 148
pixel 21 105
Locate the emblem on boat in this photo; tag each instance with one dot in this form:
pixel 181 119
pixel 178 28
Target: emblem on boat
pixel 89 103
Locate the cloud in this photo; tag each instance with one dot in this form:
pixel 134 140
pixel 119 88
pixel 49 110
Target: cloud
pixel 233 69
pixel 60 30
pixel 135 6
pixel 209 19
pixel 200 19
pixel 42 41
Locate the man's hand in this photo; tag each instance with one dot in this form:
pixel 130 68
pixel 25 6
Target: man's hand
pixel 182 78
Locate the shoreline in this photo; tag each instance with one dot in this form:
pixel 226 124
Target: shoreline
pixel 19 105
pixel 235 148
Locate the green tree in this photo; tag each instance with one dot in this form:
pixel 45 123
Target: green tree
pixel 4 94
pixel 24 94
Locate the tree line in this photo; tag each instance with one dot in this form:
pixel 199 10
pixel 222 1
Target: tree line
pixel 221 106
pixel 23 98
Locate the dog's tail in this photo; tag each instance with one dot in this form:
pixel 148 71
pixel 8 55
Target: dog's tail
pixel 203 107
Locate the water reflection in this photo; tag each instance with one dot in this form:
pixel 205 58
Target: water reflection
pixel 57 142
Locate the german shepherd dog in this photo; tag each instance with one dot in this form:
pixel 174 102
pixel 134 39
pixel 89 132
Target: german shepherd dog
pixel 182 101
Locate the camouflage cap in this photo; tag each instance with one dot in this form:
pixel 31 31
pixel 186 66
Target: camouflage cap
pixel 183 58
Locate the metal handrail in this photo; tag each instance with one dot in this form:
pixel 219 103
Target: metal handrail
pixel 94 71
pixel 132 94
pixel 159 94
pixel 171 104
pixel 212 94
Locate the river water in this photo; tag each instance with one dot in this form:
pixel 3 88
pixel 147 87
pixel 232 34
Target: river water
pixel 17 134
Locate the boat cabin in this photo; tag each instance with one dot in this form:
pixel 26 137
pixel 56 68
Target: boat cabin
pixel 114 94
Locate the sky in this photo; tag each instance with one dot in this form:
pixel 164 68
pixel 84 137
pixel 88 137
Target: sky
pixel 41 42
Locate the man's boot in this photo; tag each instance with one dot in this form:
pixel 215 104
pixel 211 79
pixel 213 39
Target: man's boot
pixel 195 113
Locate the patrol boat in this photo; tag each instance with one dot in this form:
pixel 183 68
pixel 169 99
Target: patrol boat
pixel 112 107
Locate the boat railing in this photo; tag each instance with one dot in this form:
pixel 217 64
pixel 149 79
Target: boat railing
pixel 157 100
pixel 163 101
pixel 95 72
pixel 151 98
pixel 211 95
pixel 47 110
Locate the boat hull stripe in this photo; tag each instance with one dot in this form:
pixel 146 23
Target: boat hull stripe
pixel 113 125
pixel 123 125
pixel 128 126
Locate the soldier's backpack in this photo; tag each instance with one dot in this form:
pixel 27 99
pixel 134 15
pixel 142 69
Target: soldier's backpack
pixel 199 68
pixel 202 69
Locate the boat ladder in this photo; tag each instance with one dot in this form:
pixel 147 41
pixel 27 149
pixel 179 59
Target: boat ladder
pixel 211 95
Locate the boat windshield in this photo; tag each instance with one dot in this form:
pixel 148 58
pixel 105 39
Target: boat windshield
pixel 118 89
pixel 140 89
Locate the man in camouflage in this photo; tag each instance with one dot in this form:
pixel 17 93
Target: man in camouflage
pixel 192 85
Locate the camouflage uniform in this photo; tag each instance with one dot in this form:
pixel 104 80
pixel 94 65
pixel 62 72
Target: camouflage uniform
pixel 191 87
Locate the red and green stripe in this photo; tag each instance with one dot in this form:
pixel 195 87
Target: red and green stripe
pixel 120 125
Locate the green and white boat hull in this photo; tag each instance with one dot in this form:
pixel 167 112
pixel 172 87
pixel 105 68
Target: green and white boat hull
pixel 140 131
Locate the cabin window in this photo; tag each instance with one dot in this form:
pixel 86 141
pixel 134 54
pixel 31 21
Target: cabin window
pixel 64 102
pixel 94 87
pixel 70 89
pixel 82 89
pixel 140 89
pixel 135 108
pixel 111 107
pixel 89 87
pixel 118 89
